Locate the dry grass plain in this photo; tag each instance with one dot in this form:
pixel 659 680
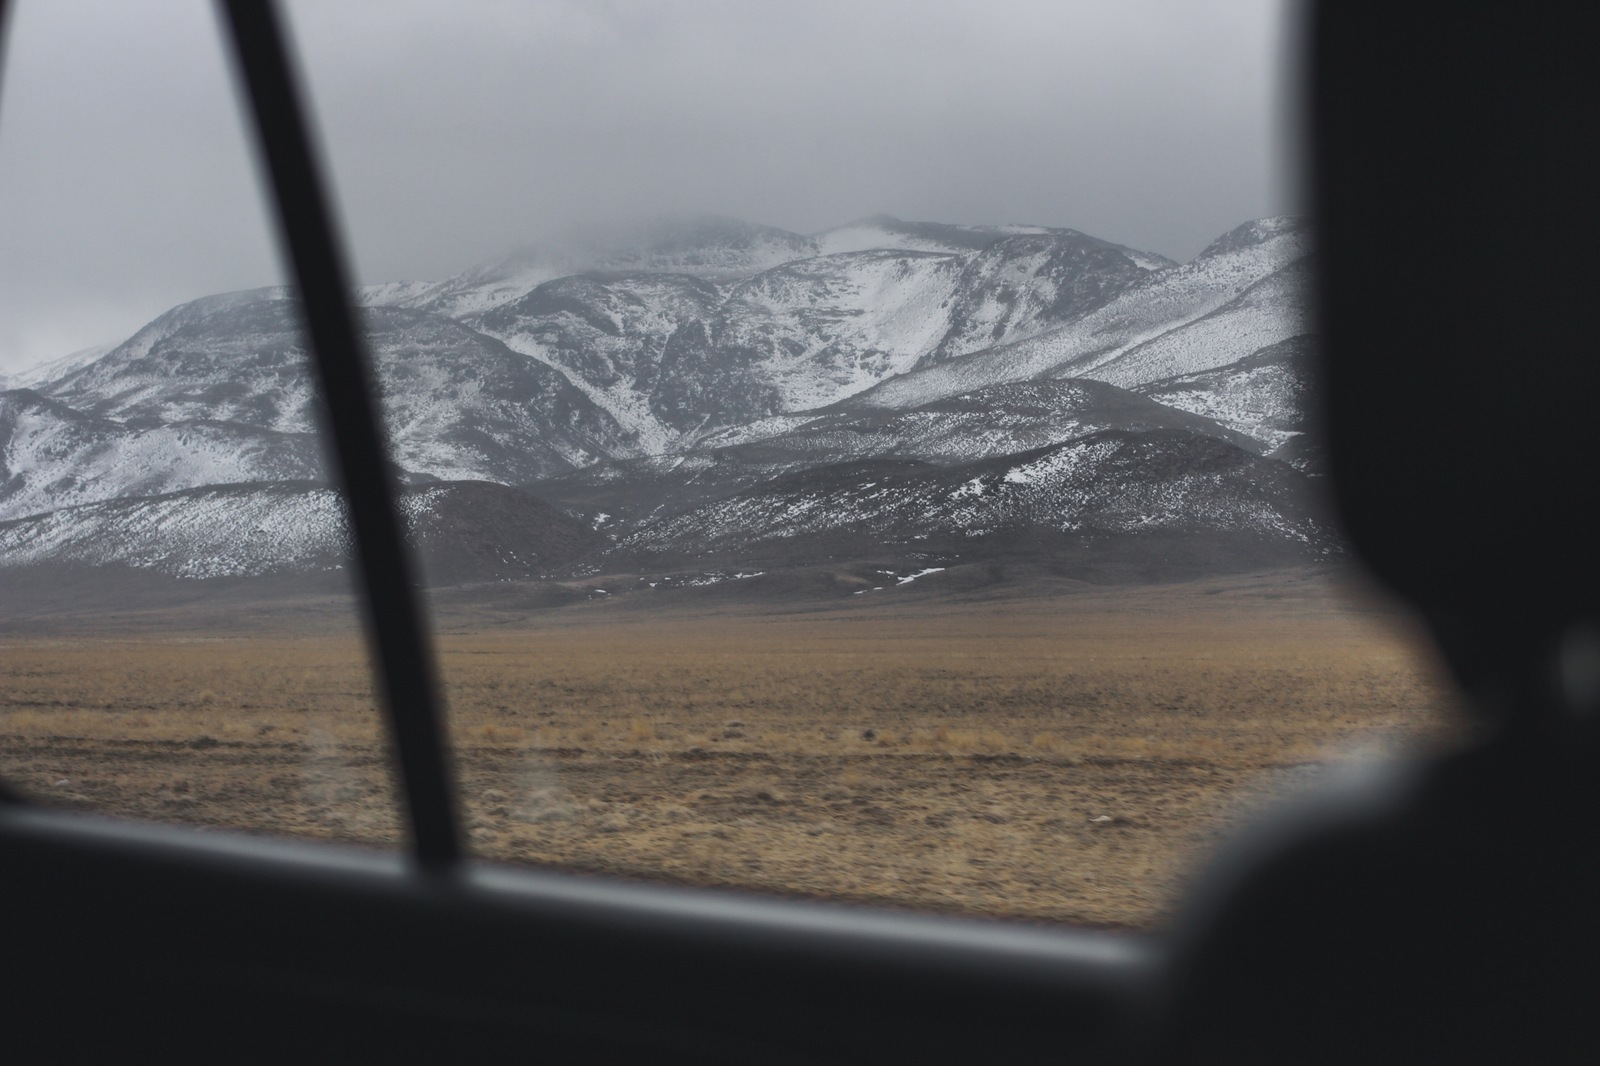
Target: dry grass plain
pixel 1067 757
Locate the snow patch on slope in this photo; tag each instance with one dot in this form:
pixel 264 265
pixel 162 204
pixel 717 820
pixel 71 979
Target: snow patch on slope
pixel 218 532
pixel 1270 311
pixel 1163 301
pixel 832 326
pixel 51 456
pixel 1264 395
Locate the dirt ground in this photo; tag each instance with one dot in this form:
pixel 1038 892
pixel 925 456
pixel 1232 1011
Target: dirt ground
pixel 1064 756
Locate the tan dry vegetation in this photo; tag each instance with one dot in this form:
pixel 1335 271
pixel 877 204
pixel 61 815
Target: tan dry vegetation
pixel 1063 759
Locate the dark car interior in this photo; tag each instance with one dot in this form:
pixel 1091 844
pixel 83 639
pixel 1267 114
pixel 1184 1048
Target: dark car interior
pixel 1447 914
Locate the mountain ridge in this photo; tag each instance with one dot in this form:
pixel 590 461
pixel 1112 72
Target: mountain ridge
pixel 713 359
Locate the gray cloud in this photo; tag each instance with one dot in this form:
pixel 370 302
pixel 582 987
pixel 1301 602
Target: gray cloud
pixel 457 131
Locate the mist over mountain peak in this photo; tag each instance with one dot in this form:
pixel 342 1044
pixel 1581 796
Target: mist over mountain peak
pixel 657 372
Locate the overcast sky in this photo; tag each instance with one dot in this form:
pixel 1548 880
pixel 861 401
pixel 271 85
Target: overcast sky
pixel 458 130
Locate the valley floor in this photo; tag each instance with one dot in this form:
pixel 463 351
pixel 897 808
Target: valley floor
pixel 1064 754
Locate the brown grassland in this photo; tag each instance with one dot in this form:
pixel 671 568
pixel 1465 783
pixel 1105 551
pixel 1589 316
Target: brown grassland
pixel 1062 757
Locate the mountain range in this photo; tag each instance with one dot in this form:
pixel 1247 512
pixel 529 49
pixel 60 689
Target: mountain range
pixel 700 394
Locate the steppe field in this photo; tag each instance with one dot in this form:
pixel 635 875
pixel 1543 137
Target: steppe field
pixel 1063 753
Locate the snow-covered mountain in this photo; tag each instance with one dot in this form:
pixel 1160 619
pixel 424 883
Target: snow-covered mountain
pixel 54 456
pixel 1255 270
pixel 998 421
pixel 652 377
pixel 705 246
pixel 463 532
pixel 674 355
pixel 1105 485
pixel 1265 395
pixel 886 231
pixel 459 404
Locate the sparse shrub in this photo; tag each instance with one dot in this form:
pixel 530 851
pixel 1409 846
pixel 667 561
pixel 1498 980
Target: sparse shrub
pixel 494 733
pixel 959 739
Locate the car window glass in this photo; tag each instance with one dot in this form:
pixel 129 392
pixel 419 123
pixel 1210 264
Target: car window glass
pixel 178 641
pixel 976 562
pixel 863 454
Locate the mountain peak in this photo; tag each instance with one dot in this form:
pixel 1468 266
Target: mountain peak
pixel 1257 231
